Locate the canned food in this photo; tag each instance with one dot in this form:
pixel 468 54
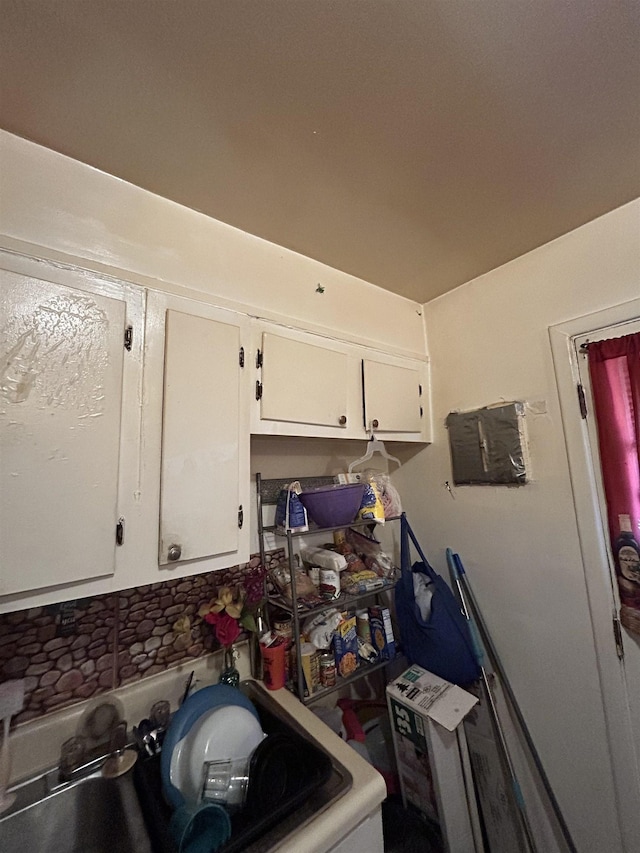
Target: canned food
pixel 329 584
pixel 327 670
pixel 363 626
pixel 282 626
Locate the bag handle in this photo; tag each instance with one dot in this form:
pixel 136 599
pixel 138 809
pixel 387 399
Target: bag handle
pixel 405 549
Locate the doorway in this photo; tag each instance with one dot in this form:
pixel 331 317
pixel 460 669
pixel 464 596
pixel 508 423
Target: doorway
pixel 618 651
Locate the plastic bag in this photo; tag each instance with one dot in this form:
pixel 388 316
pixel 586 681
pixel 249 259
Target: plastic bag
pixel 371 508
pixel 370 551
pixel 389 495
pixel 290 514
pixel 321 628
pixel 305 590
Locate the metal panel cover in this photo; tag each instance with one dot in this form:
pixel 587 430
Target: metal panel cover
pixel 488 446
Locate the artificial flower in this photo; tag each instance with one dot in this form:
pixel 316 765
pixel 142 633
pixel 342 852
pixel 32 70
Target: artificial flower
pixel 225 627
pixel 234 606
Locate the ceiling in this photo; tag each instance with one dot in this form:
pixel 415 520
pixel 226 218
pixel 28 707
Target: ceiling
pixel 414 143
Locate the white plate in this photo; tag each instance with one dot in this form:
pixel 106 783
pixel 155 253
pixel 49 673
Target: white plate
pixel 226 732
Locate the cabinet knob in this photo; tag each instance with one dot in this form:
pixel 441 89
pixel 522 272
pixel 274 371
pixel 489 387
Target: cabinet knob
pixel 375 423
pixel 174 553
pixel 342 420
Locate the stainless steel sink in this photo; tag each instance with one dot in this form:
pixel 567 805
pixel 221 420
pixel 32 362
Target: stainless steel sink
pixel 253 831
pixel 92 815
pixel 129 814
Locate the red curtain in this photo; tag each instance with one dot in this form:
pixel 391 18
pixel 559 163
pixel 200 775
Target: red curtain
pixel 614 368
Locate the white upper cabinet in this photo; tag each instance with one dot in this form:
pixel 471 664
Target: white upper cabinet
pixel 64 367
pixel 393 397
pixel 315 386
pixel 303 383
pixel 204 459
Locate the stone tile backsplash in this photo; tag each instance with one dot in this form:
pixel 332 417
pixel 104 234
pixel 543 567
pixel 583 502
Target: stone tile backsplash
pixel 73 651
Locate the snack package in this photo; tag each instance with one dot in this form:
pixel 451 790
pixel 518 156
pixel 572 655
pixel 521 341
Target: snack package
pixel 389 495
pixel 387 492
pixel 362 582
pixel 370 551
pixel 290 514
pixel 345 646
pixel 354 563
pixel 371 508
pixel 305 590
pixel 321 628
pixel 382 638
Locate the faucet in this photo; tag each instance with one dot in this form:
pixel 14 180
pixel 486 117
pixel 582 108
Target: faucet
pixel 76 762
pixel 102 736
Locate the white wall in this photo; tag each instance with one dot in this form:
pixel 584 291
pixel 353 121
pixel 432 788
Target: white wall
pixel 488 342
pixel 103 223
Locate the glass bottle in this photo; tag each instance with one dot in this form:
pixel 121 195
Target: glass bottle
pixel 255 656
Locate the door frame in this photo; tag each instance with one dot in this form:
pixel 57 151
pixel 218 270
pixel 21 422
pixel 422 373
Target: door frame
pixel 596 559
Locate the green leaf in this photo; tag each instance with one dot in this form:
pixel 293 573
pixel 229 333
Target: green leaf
pixel 248 622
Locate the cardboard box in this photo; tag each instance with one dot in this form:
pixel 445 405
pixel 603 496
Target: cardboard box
pixel 345 646
pixel 426 713
pixel 382 637
pixel 499 811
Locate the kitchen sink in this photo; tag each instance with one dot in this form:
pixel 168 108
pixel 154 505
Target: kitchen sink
pixel 91 815
pixel 129 814
pixel 317 780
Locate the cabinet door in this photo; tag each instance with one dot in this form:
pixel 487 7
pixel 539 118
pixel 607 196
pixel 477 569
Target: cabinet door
pixel 60 408
pixel 201 440
pixel 393 397
pixel 303 383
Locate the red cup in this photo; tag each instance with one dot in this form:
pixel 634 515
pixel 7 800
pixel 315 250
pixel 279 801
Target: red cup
pixel 273 665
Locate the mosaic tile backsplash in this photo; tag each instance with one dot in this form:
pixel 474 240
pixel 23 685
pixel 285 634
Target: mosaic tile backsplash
pixel 73 651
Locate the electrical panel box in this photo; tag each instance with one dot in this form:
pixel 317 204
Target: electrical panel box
pixel 488 446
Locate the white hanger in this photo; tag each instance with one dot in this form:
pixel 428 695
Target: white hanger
pixel 374 446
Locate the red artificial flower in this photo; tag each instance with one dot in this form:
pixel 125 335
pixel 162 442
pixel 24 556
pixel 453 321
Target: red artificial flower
pixel 225 627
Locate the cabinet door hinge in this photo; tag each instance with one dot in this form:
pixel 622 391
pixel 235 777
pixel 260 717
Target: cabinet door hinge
pixel 240 516
pixel 421 412
pixel 258 390
pixel 419 390
pixel 128 337
pixel 259 358
pixel 582 402
pixel 120 531
pixel 617 635
pixel 241 357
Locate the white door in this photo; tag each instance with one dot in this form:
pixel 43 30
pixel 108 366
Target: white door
pixel 392 397
pixel 203 448
pixel 619 668
pixel 303 383
pixel 62 354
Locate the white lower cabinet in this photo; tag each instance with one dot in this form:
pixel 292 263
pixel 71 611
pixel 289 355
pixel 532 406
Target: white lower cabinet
pixel 367 836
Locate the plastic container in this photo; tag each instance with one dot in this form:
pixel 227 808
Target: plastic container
pixel 333 505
